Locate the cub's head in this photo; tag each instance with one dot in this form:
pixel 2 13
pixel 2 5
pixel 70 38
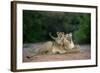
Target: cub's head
pixel 60 34
pixel 59 40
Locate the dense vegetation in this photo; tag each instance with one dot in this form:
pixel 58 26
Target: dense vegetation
pixel 37 25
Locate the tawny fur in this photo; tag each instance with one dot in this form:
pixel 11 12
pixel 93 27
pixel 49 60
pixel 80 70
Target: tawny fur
pixel 53 47
pixel 68 42
pixel 61 44
pixel 46 48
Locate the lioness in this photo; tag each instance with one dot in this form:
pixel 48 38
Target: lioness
pixel 61 44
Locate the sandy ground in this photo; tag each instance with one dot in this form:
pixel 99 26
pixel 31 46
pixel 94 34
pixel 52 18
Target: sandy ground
pixel 28 51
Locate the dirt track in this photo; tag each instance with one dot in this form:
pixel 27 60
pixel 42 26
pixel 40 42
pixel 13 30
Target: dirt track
pixel 28 51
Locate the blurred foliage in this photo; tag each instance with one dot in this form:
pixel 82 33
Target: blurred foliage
pixel 38 24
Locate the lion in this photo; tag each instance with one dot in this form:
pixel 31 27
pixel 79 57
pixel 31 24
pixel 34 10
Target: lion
pixel 63 43
pixel 53 47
